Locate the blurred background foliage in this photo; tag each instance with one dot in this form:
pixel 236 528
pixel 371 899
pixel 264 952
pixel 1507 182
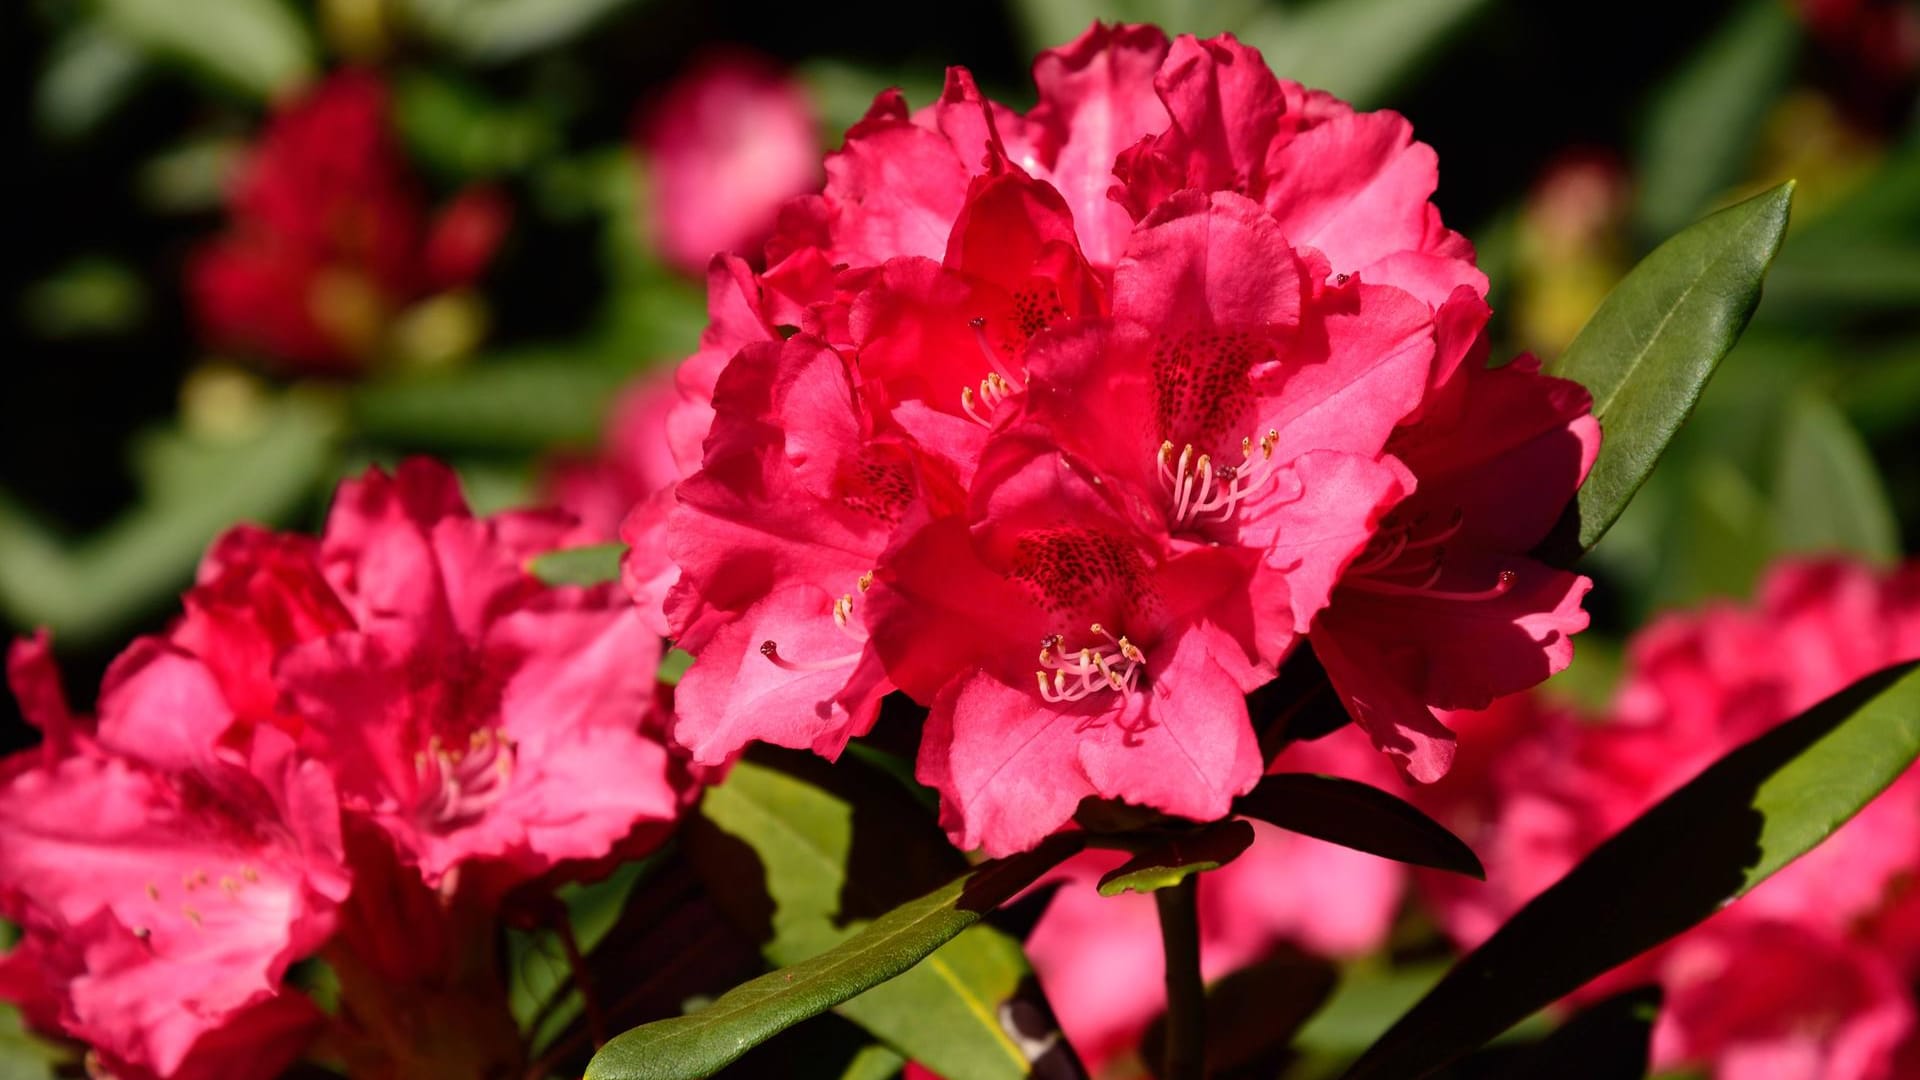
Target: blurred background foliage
pixel 1571 142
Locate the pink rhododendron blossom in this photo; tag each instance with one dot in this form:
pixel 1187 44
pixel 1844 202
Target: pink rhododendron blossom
pixel 1099 958
pixel 330 238
pixel 165 882
pixel 484 720
pixel 1072 423
pixel 730 141
pixel 1816 950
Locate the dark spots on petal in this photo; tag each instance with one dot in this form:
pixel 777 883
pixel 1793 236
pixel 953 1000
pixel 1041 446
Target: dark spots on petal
pixel 1201 386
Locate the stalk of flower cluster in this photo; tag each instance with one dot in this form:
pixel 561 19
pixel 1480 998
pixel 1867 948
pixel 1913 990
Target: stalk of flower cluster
pixel 1186 995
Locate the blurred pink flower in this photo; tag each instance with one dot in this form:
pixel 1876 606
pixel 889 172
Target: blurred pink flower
pixel 1820 950
pixel 732 139
pixel 329 236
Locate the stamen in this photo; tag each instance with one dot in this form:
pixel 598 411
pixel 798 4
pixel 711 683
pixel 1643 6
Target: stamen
pixel 1112 666
pixel 994 359
pixel 771 651
pixel 1197 487
pixel 1425 589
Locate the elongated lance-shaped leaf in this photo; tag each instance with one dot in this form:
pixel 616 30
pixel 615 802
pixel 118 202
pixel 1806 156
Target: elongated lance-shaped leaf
pixel 1179 857
pixel 1359 816
pixel 1648 351
pixel 800 855
pixel 699 1045
pixel 1752 812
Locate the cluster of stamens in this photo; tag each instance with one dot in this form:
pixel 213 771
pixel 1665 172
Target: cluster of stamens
pixel 1398 563
pixel 1197 487
pixel 458 783
pixel 994 389
pixel 1000 384
pixel 1114 664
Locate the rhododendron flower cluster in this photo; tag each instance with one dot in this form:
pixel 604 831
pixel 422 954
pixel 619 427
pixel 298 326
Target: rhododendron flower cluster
pixel 1075 424
pixel 1809 975
pixel 330 239
pixel 369 744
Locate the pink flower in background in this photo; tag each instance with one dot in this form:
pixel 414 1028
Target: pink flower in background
pixel 1099 958
pixel 1818 953
pixel 330 237
pixel 732 139
pixel 165 883
pixel 633 464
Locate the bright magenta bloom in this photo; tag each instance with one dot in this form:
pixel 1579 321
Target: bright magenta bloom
pixel 1818 954
pixel 1071 424
pixel 731 140
pixel 486 722
pixel 166 869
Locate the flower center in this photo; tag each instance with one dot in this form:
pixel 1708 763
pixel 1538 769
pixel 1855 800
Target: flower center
pixel 1110 664
pixel 458 784
pixel 842 618
pixel 1000 384
pixel 1401 561
pixel 1196 487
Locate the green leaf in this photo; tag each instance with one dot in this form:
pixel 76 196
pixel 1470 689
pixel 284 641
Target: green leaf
pixel 193 487
pixel 1608 1040
pixel 596 564
pixel 1702 125
pixel 1730 828
pixel 258 47
pixel 1360 50
pixel 873 1062
pixel 1649 350
pixel 800 859
pixel 699 1045
pixel 88 73
pixel 23 1055
pixel 490 31
pixel 1178 857
pixel 529 402
pixel 1827 495
pixel 1359 816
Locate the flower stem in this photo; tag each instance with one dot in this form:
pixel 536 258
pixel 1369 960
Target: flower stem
pixel 1186 996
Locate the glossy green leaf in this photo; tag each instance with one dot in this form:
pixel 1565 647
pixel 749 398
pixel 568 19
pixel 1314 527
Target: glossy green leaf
pixel 1359 816
pixel 1758 808
pixel 801 859
pixel 1703 124
pixel 1648 352
pixel 260 47
pixel 1827 495
pixel 699 1045
pixel 192 488
pixel 1178 857
pixel 596 564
